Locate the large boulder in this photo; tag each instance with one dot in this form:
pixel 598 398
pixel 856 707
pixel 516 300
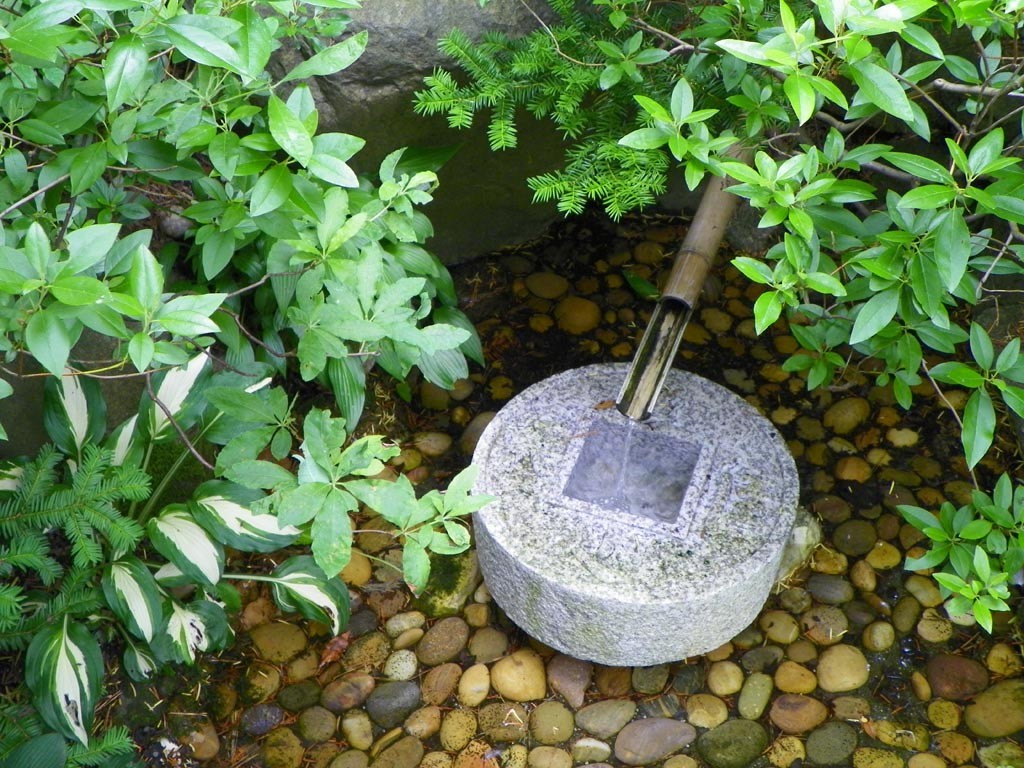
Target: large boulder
pixel 483 201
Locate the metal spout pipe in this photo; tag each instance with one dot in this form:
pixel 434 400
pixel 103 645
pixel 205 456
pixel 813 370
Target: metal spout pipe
pixel 657 348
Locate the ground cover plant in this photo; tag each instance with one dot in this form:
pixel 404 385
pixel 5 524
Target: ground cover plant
pixel 885 140
pixel 166 193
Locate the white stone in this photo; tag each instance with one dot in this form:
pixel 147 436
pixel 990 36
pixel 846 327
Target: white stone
pixel 622 588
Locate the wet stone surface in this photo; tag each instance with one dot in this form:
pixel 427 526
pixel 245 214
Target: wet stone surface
pixel 845 666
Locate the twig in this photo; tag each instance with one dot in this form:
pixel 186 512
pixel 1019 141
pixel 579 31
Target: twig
pixel 249 335
pixel 177 428
pixel 681 46
pixel 885 170
pixel 32 195
pixel 961 130
pixel 981 90
pixel 558 48
pixel 839 125
pixel 264 279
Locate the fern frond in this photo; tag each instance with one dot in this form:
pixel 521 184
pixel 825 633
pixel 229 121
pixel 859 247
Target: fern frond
pixel 29 552
pixel 113 742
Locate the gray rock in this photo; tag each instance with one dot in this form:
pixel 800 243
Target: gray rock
pixel 827 588
pixel 762 659
pixel 298 696
pixel 689 679
pixel 606 718
pixel 650 679
pixel 666 705
pixel 733 744
pixel 647 741
pixel 317 725
pixel 570 678
pixel 831 743
pixel 347 692
pixel 261 719
pixel 854 537
pixel 390 703
pixel 373 99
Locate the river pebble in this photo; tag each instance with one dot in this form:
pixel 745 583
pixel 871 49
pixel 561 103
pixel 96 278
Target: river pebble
pixel 347 692
pixel 503 721
pixel 795 713
pixel 458 728
pixel 278 642
pixel 791 677
pixel 549 757
pixel 733 744
pixel 589 750
pixel 606 718
pixel 725 678
pixel 424 722
pixel 705 710
pixel 779 626
pixel 261 719
pixel 358 729
pixel 842 668
pixel 649 679
pixel 552 723
pixel 754 696
pixel 869 757
pixel 831 743
pixel 997 712
pixel 390 703
pixel 440 682
pixel 474 685
pixel 956 678
pixel 570 678
pixel 520 677
pixel 443 641
pixel 404 753
pixel 647 741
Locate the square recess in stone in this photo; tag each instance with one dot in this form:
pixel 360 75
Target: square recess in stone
pixel 631 468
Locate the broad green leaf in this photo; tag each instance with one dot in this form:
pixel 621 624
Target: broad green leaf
pixel 124 70
pixel 875 314
pixel 330 60
pixel 189 630
pixel 140 351
pixel 348 382
pixel 979 426
pixel 753 269
pixel 133 595
pixel 255 41
pixel 138 662
pixel 49 340
pixel 929 197
pixel 918 517
pixel 825 283
pixel 645 138
pixel 985 151
pixel 1014 399
pixel 45 749
pixel 37 249
pixel 218 249
pixel 145 279
pixel 922 39
pixel 953 372
pixel 752 53
pixel 64 670
pixel 289 131
pixel 177 536
pixel 767 309
pixel 202 38
pixel 1011 208
pixel 981 347
pixel 952 248
pixel 89 245
pixel 260 474
pixel 79 291
pixel 681 101
pixel 332 532
pixel 882 89
pixel 415 566
pixel 801 96
pixel 271 191
pixel 87 166
pixel 926 283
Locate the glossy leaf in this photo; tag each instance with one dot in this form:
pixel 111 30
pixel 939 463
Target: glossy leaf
pixel 979 426
pixel 124 70
pixel 874 315
pixel 330 60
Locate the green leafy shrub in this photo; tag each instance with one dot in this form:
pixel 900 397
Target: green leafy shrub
pixel 272 258
pixel 831 98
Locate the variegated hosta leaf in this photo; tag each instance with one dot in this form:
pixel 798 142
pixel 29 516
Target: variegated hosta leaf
pixel 138 662
pixel 222 508
pixel 64 671
pixel 300 585
pixel 132 593
pixel 197 627
pixel 168 575
pixel 75 412
pixel 123 443
pixel 10 476
pixel 178 537
pixel 172 391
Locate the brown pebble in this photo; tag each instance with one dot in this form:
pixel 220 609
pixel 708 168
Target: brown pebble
pixel 853 468
pixel 955 747
pixel 956 677
pixel 794 713
pixel 613 681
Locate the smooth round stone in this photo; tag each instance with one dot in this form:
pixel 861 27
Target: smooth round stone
pixel 488 644
pixel 791 677
pixel 869 757
pixel 802 651
pixel 725 678
pixel 824 624
pixel 443 641
pixel 933 627
pixel 501 722
pixel 689 679
pixel 925 760
pixel 831 743
pixel 392 702
pixel 795 599
pixel 408 639
pixel 202 739
pixel 754 696
pixel 474 685
pixel 829 562
pixel 955 747
pixel 647 741
pixel 367 652
pixel 1002 754
pixel 956 678
pixel 779 626
pixel 347 692
pixel 317 725
pixel 570 678
pixel 832 509
pixel 402 622
pixel 794 713
pixel 826 588
pixel 358 729
pixel 281 749
pixel 878 636
pixel 650 679
pixel 666 705
pixel 278 642
pixel 606 718
pixel 845 415
pixel 997 712
pixel 552 723
pixel 261 719
pixel 432 444
pixel 477 615
pixel 350 758
pixel 706 711
pixel 785 751
pixel 884 556
pixel 298 696
pixel 471 434
pixel 905 613
pixel 760 659
pixel 853 468
pixel 1003 660
pixel 924 589
pixel 733 744
pixel 261 682
pixel 863 576
pixel 404 753
pixel 588 750
pixel 854 537
pixel 424 722
pixel 749 637
pixel 919 685
pixel 842 668
pixel 440 682
pixel 401 665
pixel 520 677
pixel 546 285
pixel 676 761
pixel 577 315
pixel 944 715
pixel 913 736
pixel 549 757
pixel 458 728
pixel 851 708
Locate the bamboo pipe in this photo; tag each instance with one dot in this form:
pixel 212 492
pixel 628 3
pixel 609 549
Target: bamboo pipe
pixel 657 349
